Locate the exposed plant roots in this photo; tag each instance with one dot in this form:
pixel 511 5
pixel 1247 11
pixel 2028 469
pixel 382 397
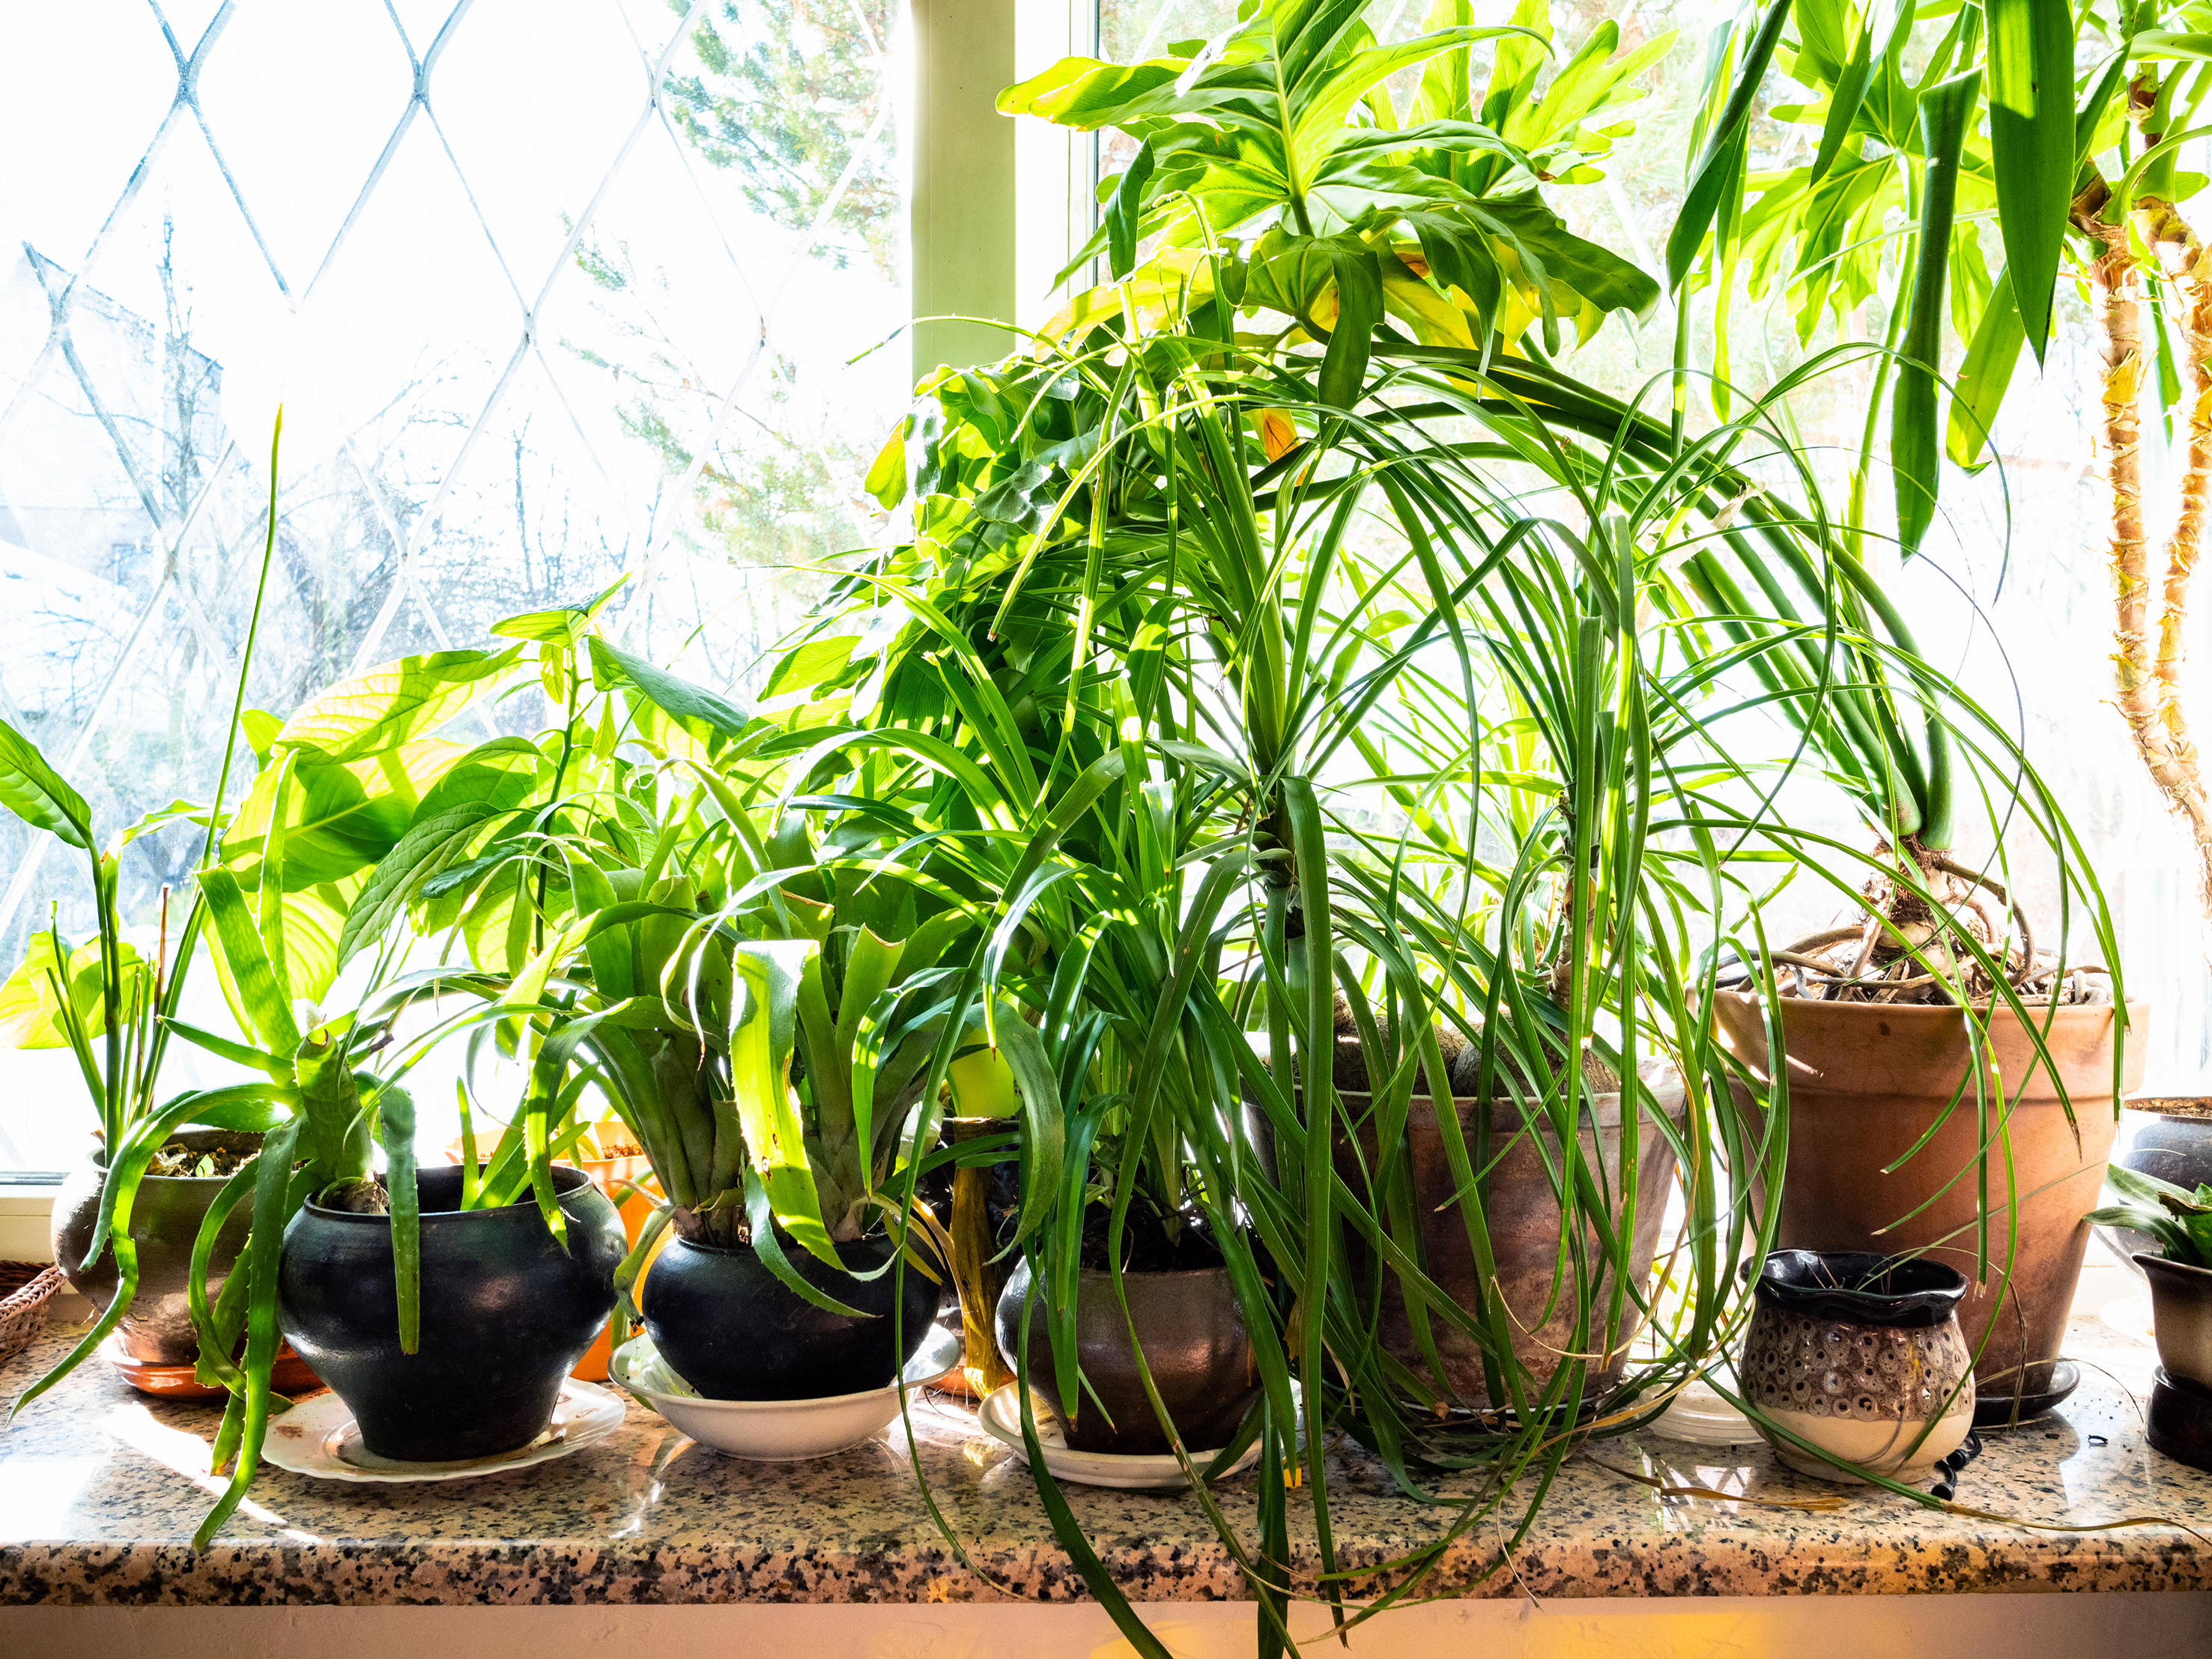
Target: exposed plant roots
pixel 1905 949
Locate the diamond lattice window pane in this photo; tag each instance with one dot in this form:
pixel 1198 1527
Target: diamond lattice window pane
pixel 586 307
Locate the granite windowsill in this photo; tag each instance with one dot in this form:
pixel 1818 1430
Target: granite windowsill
pixel 100 1489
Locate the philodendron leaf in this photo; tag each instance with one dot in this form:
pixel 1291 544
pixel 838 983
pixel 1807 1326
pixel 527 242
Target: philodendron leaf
pixel 713 720
pixel 390 703
pixel 30 1014
pixel 421 853
pixel 763 1025
pixel 38 795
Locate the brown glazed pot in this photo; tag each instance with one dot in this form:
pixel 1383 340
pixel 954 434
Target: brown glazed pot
pixel 1195 1346
pixel 2181 1317
pixel 1866 1081
pixel 165 1219
pixel 1523 1219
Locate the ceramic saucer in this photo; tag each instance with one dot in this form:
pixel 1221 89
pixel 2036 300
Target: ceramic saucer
pixel 777 1430
pixel 319 1438
pixel 1001 1418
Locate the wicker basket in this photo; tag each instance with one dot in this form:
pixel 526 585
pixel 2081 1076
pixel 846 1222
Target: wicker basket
pixel 25 1289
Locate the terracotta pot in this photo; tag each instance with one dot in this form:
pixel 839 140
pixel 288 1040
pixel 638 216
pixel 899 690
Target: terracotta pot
pixel 165 1219
pixel 1195 1347
pixel 2181 1317
pixel 1523 1220
pixel 2168 1138
pixel 1860 1355
pixel 1868 1080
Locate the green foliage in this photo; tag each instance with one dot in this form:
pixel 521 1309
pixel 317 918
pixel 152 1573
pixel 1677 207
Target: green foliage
pixel 2180 1220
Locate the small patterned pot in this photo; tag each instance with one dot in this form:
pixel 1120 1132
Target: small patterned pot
pixel 1860 1355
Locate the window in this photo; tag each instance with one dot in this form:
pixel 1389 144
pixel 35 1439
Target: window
pixel 557 292
pixel 554 292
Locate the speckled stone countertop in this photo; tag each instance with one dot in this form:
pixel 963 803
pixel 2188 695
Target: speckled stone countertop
pixel 100 1489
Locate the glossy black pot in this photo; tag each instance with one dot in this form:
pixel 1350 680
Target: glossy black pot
pixel 1195 1347
pixel 734 1331
pixel 506 1314
pixel 165 1219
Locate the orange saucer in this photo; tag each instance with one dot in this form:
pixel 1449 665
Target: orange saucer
pixel 290 1376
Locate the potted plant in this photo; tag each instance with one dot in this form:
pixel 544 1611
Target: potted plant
pixel 2179 1269
pixel 2179 1420
pixel 760 1006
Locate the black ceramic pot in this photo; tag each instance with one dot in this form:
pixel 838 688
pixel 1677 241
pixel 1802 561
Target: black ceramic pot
pixel 2168 1137
pixel 1195 1347
pixel 165 1219
pixel 734 1331
pixel 506 1313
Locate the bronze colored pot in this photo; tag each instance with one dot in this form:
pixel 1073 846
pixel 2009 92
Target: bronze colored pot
pixel 1866 1082
pixel 1195 1346
pixel 165 1219
pixel 1522 1217
pixel 2181 1316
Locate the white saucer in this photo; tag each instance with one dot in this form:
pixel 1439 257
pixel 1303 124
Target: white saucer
pixel 1000 1416
pixel 777 1430
pixel 319 1438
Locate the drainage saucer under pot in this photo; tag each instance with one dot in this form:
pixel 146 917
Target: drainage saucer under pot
pixel 777 1430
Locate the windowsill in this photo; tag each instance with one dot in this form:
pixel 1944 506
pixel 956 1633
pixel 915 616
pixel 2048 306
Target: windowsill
pixel 99 1489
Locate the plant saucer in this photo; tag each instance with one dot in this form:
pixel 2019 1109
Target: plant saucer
pixel 319 1438
pixel 777 1430
pixel 1000 1417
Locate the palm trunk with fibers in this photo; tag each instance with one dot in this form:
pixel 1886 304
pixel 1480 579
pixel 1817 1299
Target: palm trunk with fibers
pixel 2173 760
pixel 2113 287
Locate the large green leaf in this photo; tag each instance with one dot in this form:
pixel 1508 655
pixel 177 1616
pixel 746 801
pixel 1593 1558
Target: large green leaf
pixel 713 721
pixel 36 793
pixel 763 1025
pixel 2031 65
pixel 1945 113
pixel 390 704
pixel 338 818
pixel 1715 170
pixel 30 1011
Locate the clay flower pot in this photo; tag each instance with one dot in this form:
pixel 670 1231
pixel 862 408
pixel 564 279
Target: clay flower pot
pixel 1523 1218
pixel 1195 1346
pixel 1868 1080
pixel 608 1174
pixel 1861 1355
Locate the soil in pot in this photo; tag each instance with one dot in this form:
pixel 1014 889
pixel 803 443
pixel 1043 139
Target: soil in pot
pixel 732 1329
pixel 505 1313
pixel 1521 1210
pixel 172 1202
pixel 1867 1080
pixel 1194 1341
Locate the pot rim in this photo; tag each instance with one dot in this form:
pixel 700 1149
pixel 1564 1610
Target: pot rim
pixel 1923 1308
pixel 676 1238
pixel 1152 1272
pixel 581 1182
pixel 2148 1260
pixel 2138 1007
pixel 97 1157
